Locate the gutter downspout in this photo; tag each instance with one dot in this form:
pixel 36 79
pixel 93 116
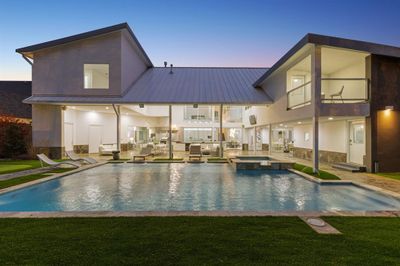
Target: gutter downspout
pixel 117 111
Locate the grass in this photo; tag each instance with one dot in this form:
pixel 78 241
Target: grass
pixel 308 170
pixel 11 166
pixel 166 159
pixel 198 240
pixel 390 175
pixel 28 178
pixel 216 160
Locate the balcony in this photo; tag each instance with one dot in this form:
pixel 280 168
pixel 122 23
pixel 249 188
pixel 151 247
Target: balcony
pixel 333 90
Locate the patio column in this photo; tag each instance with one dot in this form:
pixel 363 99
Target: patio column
pixel 270 139
pixel 254 139
pixel 117 110
pixel 316 102
pixel 170 134
pixel 221 152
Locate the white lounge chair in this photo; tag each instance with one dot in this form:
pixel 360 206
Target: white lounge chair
pixel 144 152
pixel 44 159
pixel 195 151
pixel 72 155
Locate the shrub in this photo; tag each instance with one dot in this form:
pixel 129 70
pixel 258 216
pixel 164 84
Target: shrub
pixel 15 138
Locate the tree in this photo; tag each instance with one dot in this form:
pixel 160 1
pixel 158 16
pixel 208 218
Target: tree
pixel 14 141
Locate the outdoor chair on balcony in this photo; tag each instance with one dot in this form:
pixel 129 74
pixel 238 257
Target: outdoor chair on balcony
pixel 46 160
pixel 144 152
pixel 72 155
pixel 195 151
pixel 338 94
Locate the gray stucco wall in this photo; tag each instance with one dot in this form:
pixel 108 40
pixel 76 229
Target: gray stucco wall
pixel 59 70
pixel 132 64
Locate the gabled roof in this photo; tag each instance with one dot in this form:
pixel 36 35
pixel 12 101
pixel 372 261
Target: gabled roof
pixel 187 85
pixel 372 48
pixel 12 93
pixel 32 48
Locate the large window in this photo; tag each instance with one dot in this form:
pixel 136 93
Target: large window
pixel 96 76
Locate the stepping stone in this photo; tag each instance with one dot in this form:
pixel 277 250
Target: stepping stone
pixel 320 226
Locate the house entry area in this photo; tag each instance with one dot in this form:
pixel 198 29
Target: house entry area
pixel 93 129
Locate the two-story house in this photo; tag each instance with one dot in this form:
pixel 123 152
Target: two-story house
pixel 328 99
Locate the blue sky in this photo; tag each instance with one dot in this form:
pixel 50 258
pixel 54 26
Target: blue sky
pixel 196 33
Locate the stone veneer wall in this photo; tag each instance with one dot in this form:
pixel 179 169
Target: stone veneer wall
pixel 51 152
pixel 81 148
pixel 324 156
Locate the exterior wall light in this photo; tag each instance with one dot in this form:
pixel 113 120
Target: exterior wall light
pixel 389 108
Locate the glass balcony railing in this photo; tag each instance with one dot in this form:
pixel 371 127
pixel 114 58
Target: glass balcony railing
pixel 344 90
pixel 333 90
pixel 299 96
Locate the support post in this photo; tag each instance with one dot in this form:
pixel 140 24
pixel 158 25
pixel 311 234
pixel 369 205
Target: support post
pixel 255 139
pixel 171 156
pixel 316 102
pixel 117 110
pixel 270 140
pixel 221 152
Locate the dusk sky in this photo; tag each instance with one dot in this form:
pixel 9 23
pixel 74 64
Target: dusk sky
pixel 196 33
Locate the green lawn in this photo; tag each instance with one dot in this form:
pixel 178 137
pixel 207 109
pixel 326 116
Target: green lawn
pixel 198 240
pixel 322 174
pixel 390 175
pixel 28 178
pixel 11 166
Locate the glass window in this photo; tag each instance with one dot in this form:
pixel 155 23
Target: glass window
pixel 96 76
pixel 358 134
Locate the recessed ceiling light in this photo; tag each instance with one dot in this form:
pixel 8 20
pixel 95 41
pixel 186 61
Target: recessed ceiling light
pixel 299 122
pixel 73 107
pixel 281 125
pixel 330 118
pixel 107 107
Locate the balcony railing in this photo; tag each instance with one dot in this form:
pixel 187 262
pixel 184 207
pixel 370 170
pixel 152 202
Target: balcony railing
pixel 299 96
pixel 333 90
pixel 344 90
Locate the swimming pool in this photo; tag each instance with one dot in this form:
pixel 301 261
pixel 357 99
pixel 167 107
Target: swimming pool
pixel 183 187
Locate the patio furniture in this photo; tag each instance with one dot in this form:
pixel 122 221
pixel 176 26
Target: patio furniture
pixel 144 152
pixel 195 151
pixel 44 159
pixel 72 155
pixel 338 94
pixel 107 149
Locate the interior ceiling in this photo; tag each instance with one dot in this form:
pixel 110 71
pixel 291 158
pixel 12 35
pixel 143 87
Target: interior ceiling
pixel 321 119
pixel 334 59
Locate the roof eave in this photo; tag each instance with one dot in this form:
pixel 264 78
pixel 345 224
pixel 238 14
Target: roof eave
pixel 28 50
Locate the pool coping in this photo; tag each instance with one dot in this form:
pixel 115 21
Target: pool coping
pixel 222 213
pixel 347 182
pixel 100 214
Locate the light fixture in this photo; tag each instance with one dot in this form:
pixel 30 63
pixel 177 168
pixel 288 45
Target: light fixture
pixel 281 125
pixel 330 118
pixel 389 108
pixel 299 122
pixel 141 105
pixel 107 107
pixel 73 107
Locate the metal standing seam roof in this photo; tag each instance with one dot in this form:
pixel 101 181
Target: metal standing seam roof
pixel 187 85
pixel 198 85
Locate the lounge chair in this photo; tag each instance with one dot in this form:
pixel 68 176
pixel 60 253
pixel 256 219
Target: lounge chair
pixel 338 94
pixel 195 151
pixel 72 155
pixel 144 152
pixel 44 159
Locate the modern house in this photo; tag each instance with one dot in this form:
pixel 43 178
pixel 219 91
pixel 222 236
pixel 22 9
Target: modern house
pixel 328 99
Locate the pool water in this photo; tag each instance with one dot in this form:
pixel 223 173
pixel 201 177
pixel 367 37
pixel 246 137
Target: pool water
pixel 160 187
